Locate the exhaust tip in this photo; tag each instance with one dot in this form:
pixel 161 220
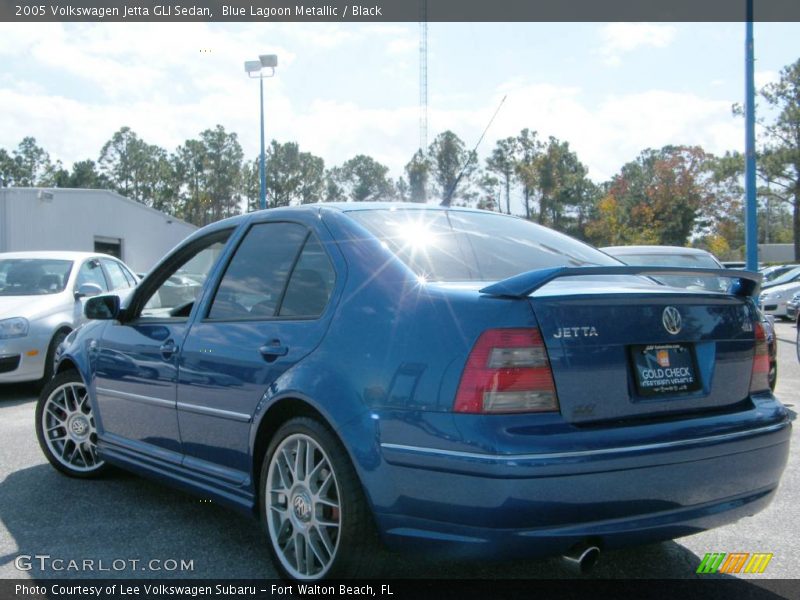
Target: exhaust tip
pixel 581 558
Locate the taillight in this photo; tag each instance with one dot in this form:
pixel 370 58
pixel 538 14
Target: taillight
pixel 759 377
pixel 507 371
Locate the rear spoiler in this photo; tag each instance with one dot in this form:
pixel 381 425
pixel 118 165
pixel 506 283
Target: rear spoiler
pixel 745 283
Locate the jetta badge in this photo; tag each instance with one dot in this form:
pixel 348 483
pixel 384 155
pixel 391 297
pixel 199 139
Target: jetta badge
pixel 672 321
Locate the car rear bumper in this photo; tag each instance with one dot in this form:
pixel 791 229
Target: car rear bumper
pixel 544 502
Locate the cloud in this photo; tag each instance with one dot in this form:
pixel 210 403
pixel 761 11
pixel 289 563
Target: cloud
pixel 155 80
pixel 621 38
pixel 763 78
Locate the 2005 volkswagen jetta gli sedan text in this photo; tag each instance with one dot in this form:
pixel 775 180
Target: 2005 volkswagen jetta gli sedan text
pixel 450 379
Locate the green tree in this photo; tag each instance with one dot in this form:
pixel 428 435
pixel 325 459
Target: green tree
pixel 526 167
pixel 293 177
pixel 448 155
pixel 362 178
pixel 418 171
pixel 189 162
pixel 31 165
pixel 222 170
pixel 779 164
pixel 121 162
pixel 503 161
pixel 660 194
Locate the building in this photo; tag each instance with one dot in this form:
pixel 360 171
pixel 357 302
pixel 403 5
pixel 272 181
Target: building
pixel 87 220
pixel 776 253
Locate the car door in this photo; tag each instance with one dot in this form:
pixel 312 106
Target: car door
pixel 136 367
pixel 270 309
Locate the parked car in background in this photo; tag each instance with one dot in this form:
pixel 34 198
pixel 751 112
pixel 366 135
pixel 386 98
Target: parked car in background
pixel 772 273
pixel 41 301
pixel 791 276
pixel 793 307
pixel 673 256
pixel 444 379
pixel 678 256
pixel 774 300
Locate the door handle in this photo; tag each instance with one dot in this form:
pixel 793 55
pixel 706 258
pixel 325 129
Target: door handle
pixel 273 350
pixel 167 349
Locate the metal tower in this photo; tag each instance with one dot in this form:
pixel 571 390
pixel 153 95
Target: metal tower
pixel 423 75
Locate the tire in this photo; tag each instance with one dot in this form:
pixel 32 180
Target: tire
pixel 65 427
pixel 772 376
pixel 313 509
pixel 797 341
pixel 49 359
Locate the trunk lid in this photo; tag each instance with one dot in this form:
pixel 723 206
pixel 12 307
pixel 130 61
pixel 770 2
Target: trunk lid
pixel 598 330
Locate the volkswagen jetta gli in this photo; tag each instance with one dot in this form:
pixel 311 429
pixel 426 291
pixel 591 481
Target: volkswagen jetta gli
pixel 425 377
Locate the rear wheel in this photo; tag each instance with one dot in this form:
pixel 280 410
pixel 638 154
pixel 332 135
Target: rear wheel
pixel 65 427
pixel 797 341
pixel 312 505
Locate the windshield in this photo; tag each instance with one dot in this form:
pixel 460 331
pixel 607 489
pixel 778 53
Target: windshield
pixel 669 259
pixel 698 261
pixel 465 246
pixel 786 277
pixel 33 276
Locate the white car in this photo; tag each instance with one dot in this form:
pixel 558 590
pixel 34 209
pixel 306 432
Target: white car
pixel 41 301
pixel 773 300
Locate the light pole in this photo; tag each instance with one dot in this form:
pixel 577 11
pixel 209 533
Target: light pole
pixel 255 69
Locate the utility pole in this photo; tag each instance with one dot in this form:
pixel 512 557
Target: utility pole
pixel 423 75
pixel 751 213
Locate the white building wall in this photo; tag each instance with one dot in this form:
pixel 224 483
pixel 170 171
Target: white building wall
pixel 69 219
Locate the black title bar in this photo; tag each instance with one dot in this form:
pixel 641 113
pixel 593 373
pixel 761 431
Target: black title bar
pixel 396 10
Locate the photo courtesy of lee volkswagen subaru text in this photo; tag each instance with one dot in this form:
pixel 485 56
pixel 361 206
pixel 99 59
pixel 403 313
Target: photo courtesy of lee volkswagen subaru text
pixel 425 377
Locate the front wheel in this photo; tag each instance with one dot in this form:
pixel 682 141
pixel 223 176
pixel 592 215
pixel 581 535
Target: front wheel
pixel 65 427
pixel 312 505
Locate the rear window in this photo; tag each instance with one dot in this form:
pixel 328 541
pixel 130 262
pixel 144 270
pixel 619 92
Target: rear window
pixel 463 246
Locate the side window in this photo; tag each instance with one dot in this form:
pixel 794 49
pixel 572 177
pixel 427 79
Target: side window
pixel 182 284
pixel 311 283
pixel 129 276
pixel 256 276
pixel 115 274
pixel 91 272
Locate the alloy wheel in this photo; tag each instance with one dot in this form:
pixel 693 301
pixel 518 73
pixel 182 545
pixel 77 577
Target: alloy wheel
pixel 303 507
pixel 69 428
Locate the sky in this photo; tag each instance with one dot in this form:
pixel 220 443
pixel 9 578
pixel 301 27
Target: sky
pixel 341 89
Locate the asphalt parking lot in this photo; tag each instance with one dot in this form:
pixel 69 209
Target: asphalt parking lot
pixel 127 518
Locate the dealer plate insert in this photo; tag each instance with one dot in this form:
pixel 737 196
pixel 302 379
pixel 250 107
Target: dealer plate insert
pixel 663 370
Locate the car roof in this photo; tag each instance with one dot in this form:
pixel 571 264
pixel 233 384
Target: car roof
pixel 653 250
pixel 55 254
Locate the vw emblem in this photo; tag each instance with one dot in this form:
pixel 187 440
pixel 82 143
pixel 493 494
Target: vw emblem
pixel 672 321
pixel 302 507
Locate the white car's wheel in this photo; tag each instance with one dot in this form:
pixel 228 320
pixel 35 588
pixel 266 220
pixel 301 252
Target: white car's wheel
pixel 65 427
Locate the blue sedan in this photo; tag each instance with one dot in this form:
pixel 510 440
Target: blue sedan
pixel 452 380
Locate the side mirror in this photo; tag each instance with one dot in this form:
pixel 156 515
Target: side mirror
pixel 87 290
pixel 102 307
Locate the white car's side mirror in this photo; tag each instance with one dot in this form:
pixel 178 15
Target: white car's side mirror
pixel 88 290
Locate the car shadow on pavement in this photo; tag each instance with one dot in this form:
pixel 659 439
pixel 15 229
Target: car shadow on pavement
pixel 124 518
pixel 17 393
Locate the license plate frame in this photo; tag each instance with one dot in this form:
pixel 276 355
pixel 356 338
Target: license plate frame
pixel 665 370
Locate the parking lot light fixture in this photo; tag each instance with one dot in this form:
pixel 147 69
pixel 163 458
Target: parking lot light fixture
pixel 260 69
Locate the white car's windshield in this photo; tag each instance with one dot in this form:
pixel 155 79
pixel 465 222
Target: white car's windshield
pixel 33 276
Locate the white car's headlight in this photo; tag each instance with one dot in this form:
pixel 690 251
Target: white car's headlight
pixel 13 328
